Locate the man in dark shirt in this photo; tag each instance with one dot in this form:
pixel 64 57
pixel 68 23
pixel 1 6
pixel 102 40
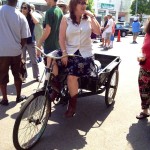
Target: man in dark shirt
pixel 50 36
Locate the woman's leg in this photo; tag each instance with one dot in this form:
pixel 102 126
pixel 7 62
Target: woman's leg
pixel 72 82
pixel 144 89
pixel 55 67
pixel 55 81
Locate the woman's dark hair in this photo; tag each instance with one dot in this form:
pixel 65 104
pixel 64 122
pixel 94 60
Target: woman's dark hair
pixel 147 28
pixel 72 7
pixel 29 9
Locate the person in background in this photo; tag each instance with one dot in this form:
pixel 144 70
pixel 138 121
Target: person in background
pixel 75 38
pixel 144 74
pixel 108 30
pixel 113 33
pixel 135 29
pixel 103 32
pixel 50 36
pixel 30 45
pixel 38 28
pixel 14 30
pixel 64 7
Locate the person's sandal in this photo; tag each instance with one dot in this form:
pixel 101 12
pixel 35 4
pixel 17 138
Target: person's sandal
pixel 142 116
pixel 4 102
pixel 21 98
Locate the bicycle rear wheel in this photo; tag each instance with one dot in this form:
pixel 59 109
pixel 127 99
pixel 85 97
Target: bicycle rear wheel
pixel 31 121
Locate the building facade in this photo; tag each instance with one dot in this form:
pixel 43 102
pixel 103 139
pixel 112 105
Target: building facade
pixel 120 9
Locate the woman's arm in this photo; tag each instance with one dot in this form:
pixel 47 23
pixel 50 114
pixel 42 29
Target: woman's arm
pixel 62 35
pixel 94 23
pixel 62 39
pixel 45 34
pixel 35 21
pixel 95 26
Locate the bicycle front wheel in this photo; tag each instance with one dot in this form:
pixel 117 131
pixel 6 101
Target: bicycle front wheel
pixel 31 121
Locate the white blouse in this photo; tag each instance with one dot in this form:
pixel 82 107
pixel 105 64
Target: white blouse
pixel 78 37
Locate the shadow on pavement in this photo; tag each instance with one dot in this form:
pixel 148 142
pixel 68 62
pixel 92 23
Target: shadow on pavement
pixel 69 134
pixel 11 90
pixel 139 135
pixel 3 109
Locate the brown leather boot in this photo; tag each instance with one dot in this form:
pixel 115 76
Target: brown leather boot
pixel 71 107
pixel 56 86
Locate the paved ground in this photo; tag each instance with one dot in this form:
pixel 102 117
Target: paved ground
pixel 95 127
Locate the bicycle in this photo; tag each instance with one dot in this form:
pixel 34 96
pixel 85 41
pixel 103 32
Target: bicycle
pixel 36 111
pixel 32 120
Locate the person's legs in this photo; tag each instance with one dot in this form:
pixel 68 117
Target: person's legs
pixel 102 42
pixel 4 78
pixel 108 39
pixel 3 88
pixel 103 38
pixel 32 55
pixel 15 67
pixel 144 89
pixel 24 56
pixel 135 37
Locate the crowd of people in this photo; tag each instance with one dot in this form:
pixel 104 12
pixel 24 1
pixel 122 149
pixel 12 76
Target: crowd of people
pixel 69 33
pixel 68 30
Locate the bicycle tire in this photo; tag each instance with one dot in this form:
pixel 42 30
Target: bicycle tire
pixel 111 87
pixel 34 113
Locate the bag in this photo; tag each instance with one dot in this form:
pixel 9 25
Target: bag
pixel 23 70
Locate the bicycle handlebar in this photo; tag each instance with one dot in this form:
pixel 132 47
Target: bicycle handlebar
pixel 55 57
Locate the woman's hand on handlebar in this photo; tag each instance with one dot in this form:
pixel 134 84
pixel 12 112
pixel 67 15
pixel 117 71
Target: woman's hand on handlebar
pixel 64 61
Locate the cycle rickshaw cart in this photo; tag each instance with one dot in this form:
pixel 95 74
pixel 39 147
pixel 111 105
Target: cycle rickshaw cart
pixel 36 111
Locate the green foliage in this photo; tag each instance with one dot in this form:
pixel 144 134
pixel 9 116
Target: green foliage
pixel 143 7
pixel 90 5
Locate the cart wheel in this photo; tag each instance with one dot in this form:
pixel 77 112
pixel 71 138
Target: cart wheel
pixel 31 121
pixel 111 87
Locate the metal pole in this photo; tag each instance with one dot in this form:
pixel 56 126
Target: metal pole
pixel 136 7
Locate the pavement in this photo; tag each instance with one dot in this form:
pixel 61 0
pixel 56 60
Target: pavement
pixel 95 127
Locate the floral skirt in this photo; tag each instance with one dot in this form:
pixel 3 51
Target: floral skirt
pixel 77 66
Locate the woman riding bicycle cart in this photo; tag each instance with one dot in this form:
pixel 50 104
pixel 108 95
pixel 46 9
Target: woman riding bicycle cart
pixel 77 59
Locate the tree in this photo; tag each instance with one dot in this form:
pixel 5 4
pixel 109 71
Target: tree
pixel 142 8
pixel 90 5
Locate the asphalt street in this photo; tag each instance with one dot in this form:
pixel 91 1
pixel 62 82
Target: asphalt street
pixel 95 127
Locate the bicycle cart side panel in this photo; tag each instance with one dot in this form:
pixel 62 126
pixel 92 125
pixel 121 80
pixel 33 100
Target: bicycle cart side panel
pixel 108 64
pixel 105 60
pixel 34 112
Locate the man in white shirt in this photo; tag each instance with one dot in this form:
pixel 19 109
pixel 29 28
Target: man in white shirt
pixel 108 30
pixel 14 30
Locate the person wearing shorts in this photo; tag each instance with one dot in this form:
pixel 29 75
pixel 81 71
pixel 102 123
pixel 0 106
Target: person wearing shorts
pixel 104 32
pixel 135 29
pixel 108 30
pixel 13 36
pixel 112 34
